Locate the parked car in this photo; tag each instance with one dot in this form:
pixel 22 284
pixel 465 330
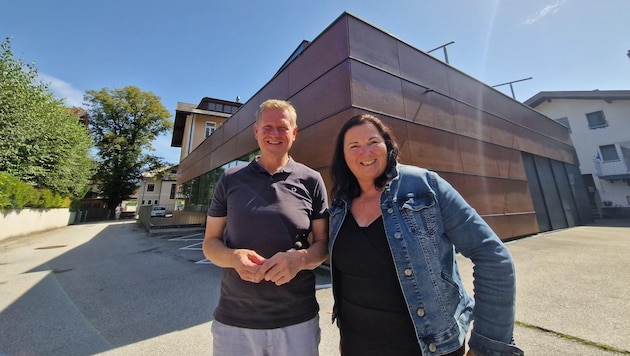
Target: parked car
pixel 160 211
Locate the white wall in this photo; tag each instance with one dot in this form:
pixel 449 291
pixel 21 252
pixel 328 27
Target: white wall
pixel 18 222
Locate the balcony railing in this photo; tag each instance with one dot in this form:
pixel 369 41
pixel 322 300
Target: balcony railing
pixel 610 169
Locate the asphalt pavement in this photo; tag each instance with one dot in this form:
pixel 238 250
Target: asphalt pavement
pixel 110 288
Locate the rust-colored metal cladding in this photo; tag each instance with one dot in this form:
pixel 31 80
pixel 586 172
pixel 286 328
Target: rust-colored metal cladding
pixel 506 159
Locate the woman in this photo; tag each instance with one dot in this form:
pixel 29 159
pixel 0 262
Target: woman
pixel 393 233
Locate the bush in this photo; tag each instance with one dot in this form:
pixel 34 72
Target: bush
pixel 15 194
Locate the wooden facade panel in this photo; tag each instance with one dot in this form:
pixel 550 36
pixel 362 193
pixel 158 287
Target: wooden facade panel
pixel 422 69
pixel 479 157
pixel 377 90
pixel 400 130
pixel 246 115
pixel 314 145
pixel 517 196
pixel 510 163
pixel 501 130
pixel 427 107
pixel 538 122
pixel 464 88
pixel 511 226
pixel 229 129
pixel 277 88
pixel 493 101
pixel 526 140
pixel 245 143
pixel 500 224
pixel 371 45
pixel 456 179
pixel 484 194
pixel 329 49
pixel 540 145
pixel 523 225
pixel 471 122
pixel 226 153
pixel 324 97
pixel 433 149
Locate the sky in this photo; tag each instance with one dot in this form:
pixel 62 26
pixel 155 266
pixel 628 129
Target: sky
pixel 185 50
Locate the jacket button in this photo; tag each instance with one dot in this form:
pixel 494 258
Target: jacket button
pixel 432 347
pixel 390 210
pixel 420 312
pixel 397 235
pixel 408 272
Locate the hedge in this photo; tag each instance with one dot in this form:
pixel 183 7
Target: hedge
pixel 15 194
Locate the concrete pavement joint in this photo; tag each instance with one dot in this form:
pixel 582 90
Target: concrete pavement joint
pixel 573 338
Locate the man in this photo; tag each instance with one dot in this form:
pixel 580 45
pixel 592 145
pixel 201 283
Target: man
pixel 257 230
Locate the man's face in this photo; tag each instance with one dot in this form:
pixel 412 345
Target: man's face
pixel 274 132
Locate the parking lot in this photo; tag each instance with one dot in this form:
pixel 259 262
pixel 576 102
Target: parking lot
pixel 112 289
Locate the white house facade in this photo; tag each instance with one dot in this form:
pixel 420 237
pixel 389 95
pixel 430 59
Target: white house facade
pixel 158 188
pixel 599 124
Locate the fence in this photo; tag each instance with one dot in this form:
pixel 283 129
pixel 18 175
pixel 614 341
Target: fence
pixel 173 219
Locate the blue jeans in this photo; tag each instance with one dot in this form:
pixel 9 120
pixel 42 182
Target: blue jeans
pixel 295 340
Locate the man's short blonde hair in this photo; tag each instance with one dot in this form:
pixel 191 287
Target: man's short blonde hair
pixel 278 104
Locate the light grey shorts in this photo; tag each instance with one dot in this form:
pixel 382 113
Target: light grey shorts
pixel 295 340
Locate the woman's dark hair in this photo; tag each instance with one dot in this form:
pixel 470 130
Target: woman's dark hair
pixel 345 184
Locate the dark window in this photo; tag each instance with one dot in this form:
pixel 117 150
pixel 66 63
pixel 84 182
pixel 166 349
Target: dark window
pixel 596 120
pixel 609 153
pixel 150 187
pixel 173 187
pixel 565 122
pixel 210 127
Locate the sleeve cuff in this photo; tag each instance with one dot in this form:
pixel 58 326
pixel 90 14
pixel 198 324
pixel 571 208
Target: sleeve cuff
pixel 484 346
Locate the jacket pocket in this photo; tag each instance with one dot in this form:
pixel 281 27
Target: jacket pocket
pixel 419 213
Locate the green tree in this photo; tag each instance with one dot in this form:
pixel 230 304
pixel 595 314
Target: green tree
pixel 41 142
pixel 123 123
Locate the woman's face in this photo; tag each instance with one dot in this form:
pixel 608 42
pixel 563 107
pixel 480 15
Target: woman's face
pixel 365 152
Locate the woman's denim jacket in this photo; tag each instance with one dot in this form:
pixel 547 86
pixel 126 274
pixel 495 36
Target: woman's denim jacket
pixel 425 220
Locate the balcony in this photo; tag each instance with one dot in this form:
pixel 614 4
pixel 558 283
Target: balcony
pixel 613 170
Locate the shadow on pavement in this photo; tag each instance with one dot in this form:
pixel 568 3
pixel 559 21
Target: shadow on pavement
pixel 117 288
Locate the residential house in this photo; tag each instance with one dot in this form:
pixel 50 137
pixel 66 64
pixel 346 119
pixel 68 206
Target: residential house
pixel 193 123
pixel 158 187
pixel 599 125
pixel 516 167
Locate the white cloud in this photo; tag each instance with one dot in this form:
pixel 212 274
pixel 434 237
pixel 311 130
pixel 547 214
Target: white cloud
pixel 62 90
pixel 547 10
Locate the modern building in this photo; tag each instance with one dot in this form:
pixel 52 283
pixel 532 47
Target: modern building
pixel 515 166
pixel 599 126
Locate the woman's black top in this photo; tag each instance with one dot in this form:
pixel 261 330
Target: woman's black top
pixel 373 318
pixel 372 314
